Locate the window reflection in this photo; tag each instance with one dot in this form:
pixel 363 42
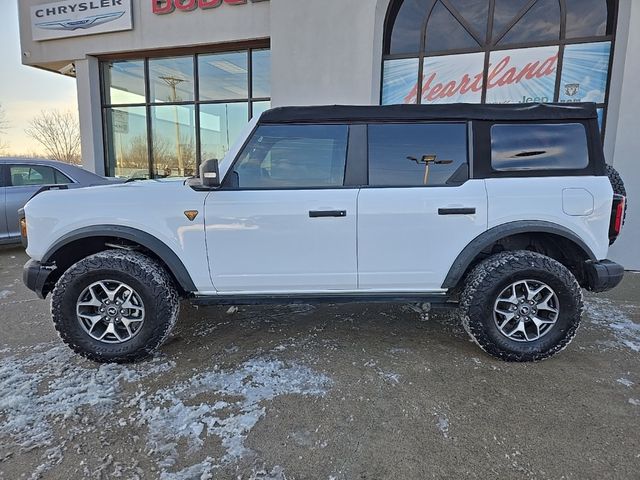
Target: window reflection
pixel 220 126
pixel 541 23
pixel 261 73
pixel 172 109
pixel 539 147
pixel 260 107
pixel 588 18
pixel 171 79
pixel 174 140
pixel 412 155
pixel 223 76
pixel 127 142
pixel 124 82
pixel 407 32
pixel 444 32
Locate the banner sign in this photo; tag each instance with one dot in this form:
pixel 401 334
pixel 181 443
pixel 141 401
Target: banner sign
pixel 514 76
pixel 162 7
pixel 74 18
pixel 522 76
pixel 585 71
pixel 453 79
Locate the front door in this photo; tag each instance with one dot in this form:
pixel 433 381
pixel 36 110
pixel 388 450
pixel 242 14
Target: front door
pixel 420 210
pixel 283 221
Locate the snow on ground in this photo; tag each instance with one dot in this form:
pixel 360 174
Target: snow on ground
pixel 51 389
pixel 605 313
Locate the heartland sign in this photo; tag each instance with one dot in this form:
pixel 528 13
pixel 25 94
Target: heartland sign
pixel 162 7
pixel 74 18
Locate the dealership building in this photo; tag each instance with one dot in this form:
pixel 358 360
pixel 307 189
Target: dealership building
pixel 165 84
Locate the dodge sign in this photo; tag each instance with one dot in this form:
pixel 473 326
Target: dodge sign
pixel 73 18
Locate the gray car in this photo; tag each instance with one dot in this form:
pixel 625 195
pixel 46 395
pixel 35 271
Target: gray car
pixel 21 179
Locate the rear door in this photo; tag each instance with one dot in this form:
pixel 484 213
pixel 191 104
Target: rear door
pixel 4 233
pixel 420 209
pixel 283 221
pixel 24 180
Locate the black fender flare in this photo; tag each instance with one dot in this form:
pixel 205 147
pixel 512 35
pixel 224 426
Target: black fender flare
pixel 486 239
pixel 146 240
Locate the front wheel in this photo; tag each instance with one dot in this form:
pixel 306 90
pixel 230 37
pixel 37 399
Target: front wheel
pixel 521 306
pixel 115 306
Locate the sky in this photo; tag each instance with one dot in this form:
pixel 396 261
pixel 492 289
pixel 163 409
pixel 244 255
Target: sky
pixel 25 91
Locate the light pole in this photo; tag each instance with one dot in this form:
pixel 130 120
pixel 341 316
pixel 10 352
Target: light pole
pixel 173 83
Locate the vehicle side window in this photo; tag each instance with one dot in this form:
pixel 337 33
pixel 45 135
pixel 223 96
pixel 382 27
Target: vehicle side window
pixel 30 175
pixel 413 155
pixel 293 156
pixel 522 147
pixel 61 178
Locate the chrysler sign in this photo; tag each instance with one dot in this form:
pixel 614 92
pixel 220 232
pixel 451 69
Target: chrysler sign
pixel 73 18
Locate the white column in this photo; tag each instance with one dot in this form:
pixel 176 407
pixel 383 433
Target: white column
pixel 90 114
pixel 326 52
pixel 623 127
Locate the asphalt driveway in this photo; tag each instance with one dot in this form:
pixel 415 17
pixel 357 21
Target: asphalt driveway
pixel 318 392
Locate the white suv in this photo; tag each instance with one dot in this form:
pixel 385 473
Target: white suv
pixel 502 211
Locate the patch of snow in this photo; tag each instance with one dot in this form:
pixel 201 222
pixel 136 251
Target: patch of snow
pixel 625 382
pixel 634 401
pixel 443 425
pixel 389 376
pixel 6 294
pixel 48 388
pixel 201 471
pixel 604 313
pixel 52 389
pixel 173 420
pixel 276 473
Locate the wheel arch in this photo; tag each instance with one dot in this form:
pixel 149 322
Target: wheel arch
pixel 86 241
pixel 556 241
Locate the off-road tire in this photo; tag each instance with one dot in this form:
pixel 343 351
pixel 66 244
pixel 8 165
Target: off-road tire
pixel 150 280
pixel 489 278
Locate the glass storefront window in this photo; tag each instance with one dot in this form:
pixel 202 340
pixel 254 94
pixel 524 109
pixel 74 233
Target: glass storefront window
pixel 223 76
pixel 126 82
pixel 261 73
pixel 220 125
pixel 126 139
pixel 186 125
pixel 171 79
pixel 498 51
pixel 174 140
pixel 585 72
pixel 260 107
pixel 522 76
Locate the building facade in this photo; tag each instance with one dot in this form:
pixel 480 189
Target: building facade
pixel 164 84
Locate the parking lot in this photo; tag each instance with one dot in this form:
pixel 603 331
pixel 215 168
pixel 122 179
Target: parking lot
pixel 318 392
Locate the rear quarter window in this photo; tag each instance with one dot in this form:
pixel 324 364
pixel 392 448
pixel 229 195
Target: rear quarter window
pixel 525 147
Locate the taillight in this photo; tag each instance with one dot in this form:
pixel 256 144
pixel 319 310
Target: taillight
pixel 617 217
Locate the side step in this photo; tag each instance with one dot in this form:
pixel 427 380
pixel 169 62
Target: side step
pixel 288 299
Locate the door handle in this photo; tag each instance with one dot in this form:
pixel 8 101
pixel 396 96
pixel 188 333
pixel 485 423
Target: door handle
pixel 327 213
pixel 456 211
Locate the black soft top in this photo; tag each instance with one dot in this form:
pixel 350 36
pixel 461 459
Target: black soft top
pixel 455 111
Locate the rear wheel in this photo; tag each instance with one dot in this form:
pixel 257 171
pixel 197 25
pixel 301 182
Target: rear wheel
pixel 521 306
pixel 115 306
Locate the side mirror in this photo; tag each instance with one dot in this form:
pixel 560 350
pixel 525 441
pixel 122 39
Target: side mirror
pixel 210 174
